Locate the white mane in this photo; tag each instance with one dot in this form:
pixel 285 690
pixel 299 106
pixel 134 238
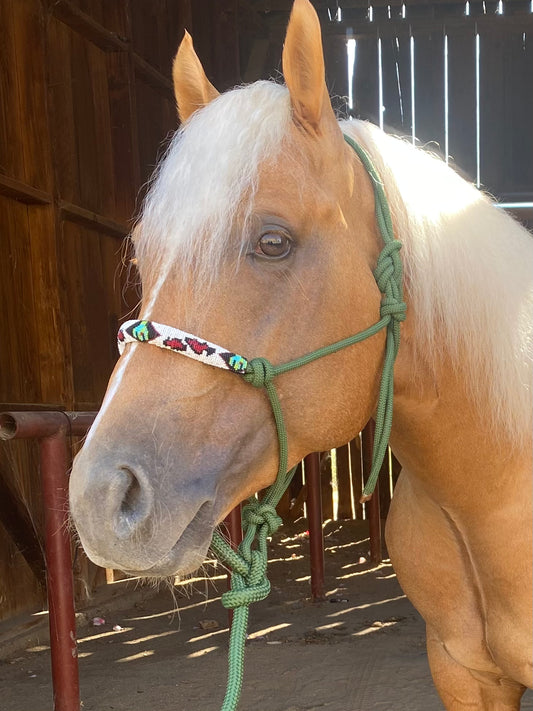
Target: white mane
pixel 469 274
pixel 468 265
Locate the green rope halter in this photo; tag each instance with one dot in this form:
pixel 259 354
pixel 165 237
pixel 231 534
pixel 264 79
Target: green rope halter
pixel 249 582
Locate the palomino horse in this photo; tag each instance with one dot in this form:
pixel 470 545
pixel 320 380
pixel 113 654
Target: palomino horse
pixel 259 233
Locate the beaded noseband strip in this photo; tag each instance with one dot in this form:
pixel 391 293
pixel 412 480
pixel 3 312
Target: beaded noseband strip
pixel 174 339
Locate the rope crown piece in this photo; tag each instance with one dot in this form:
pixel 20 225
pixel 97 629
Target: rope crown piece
pixel 249 582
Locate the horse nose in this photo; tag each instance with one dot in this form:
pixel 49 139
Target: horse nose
pixel 130 502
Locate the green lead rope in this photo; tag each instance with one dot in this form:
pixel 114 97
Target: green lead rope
pixel 249 582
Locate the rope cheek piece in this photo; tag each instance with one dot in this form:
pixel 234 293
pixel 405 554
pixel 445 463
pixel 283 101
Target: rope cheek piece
pixel 249 582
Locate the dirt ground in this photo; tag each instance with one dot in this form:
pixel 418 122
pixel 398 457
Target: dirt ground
pixel 361 649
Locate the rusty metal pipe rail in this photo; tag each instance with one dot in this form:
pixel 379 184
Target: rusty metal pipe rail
pixel 52 430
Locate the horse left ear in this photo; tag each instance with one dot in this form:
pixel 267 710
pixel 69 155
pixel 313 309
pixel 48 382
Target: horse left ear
pixel 303 68
pixel 192 88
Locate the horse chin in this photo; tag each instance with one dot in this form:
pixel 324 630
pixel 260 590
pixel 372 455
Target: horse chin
pixel 185 557
pixel 175 563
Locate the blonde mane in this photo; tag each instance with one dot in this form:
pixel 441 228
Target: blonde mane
pixel 468 275
pixel 468 264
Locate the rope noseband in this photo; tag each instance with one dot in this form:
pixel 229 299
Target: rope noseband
pixel 249 582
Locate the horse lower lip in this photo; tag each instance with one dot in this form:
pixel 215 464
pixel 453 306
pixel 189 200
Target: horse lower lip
pixel 186 555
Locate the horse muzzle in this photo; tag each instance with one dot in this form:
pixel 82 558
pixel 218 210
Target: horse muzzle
pixel 127 520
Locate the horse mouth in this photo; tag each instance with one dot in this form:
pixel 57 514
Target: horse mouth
pixel 188 552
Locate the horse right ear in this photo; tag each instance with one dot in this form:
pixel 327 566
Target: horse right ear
pixel 192 88
pixel 303 69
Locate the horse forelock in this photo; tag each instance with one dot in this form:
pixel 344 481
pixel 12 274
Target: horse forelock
pixel 207 181
pixel 468 277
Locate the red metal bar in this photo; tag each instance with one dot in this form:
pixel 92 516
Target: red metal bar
pixel 233 523
pixel 314 517
pixel 62 620
pixel 28 425
pixel 51 428
pixel 372 508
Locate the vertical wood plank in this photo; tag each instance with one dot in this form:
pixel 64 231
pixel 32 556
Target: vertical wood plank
pixel 336 72
pixel 61 111
pixel 344 484
pixel 357 476
pixel 124 169
pixel 225 45
pixel 462 100
pixel 429 89
pixel 326 477
pixel 103 148
pixel 10 119
pixel 492 111
pixel 51 338
pixel 20 369
pixel 518 133
pixel 31 81
pixel 392 99
pixel 366 80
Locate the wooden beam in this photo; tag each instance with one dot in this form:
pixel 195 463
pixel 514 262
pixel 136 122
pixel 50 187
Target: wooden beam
pixel 80 22
pixel 18 190
pixel 152 76
pixel 78 214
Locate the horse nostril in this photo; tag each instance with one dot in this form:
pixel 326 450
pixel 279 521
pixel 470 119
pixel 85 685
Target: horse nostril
pixel 132 497
pixel 135 505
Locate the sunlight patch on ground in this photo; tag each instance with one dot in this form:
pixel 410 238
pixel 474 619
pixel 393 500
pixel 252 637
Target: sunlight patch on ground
pixel 351 544
pixel 206 636
pixel 376 627
pixel 199 579
pixel 140 640
pixel 140 655
pixel 175 610
pixel 267 630
pixel 331 626
pixel 366 605
pixel 365 571
pixel 201 652
pixel 101 635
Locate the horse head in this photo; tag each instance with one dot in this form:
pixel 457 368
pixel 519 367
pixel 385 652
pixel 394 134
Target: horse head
pixel 259 234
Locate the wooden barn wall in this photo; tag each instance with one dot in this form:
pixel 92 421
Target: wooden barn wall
pixel 86 106
pixel 438 66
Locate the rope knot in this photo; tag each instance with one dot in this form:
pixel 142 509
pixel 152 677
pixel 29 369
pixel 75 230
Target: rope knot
pixel 256 513
pixel 259 372
pixel 394 308
pixel 388 276
pixel 250 587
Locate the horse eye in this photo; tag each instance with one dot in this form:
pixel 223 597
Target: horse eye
pixel 273 244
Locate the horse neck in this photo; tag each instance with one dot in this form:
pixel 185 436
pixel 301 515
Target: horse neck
pixel 442 434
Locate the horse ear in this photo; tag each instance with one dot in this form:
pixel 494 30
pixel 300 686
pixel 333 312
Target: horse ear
pixel 303 68
pixel 192 88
